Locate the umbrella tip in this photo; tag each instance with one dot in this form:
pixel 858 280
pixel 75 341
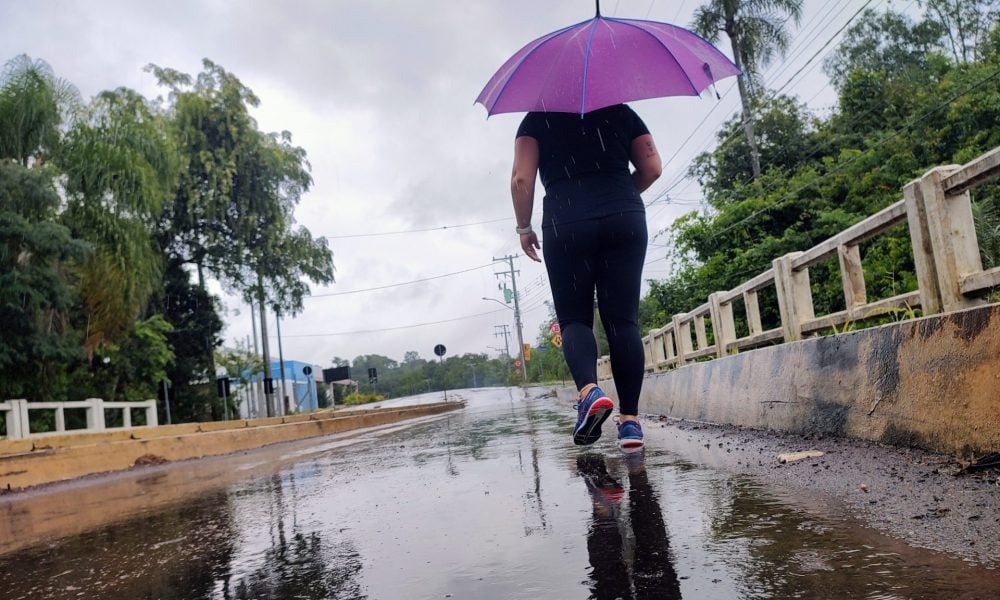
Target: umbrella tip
pixel 598 2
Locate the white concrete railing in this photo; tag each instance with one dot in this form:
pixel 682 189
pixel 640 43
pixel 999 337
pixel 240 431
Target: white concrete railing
pixel 950 276
pixel 17 412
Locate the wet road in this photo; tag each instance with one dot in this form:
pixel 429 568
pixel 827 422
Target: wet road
pixel 491 502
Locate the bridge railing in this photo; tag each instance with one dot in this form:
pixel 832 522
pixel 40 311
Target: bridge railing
pixel 18 422
pixel 937 209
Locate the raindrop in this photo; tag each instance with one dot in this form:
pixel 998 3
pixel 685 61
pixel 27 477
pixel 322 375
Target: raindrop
pixel 601 137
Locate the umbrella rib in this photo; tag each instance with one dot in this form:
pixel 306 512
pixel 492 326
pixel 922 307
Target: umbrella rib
pixel 527 54
pixel 586 66
pixel 669 51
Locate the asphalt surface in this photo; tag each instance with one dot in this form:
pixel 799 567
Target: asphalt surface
pixel 494 502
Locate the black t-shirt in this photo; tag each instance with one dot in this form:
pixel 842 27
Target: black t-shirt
pixel 584 162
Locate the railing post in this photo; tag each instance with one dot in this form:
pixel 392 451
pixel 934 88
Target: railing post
pixel 95 414
pixel 723 324
pixel 16 422
pixel 657 354
pixel 25 422
pixel 670 342
pixel 952 236
pixel 700 335
pixel 127 417
pixel 852 277
pixel 753 313
pixel 60 418
pixel 151 418
pixel 794 296
pixel 682 336
pixel 923 252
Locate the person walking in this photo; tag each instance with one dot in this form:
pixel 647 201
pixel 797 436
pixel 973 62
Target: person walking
pixel 594 239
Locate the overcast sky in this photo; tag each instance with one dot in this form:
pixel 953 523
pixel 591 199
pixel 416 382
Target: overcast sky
pixel 380 94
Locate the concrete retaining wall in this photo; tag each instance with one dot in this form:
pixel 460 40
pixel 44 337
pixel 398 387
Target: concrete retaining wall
pixel 28 463
pixel 932 382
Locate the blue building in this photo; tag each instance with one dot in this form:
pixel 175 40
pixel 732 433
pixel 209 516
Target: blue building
pixel 299 387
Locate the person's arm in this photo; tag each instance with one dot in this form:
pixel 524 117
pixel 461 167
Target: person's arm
pixel 522 190
pixel 648 165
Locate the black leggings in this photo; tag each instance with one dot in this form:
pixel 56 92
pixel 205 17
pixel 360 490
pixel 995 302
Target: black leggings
pixel 606 254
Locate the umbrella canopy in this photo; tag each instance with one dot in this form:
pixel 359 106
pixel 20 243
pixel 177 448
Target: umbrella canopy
pixel 602 62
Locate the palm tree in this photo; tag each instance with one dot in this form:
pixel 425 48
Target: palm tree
pixel 756 31
pixel 34 104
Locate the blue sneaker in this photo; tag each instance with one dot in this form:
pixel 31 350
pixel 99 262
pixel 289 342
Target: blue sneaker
pixel 591 412
pixel 630 436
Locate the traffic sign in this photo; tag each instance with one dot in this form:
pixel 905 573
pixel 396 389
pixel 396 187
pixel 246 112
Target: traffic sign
pixel 554 328
pixel 557 340
pixel 440 350
pixel 517 363
pixel 307 370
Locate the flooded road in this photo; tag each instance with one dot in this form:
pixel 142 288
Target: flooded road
pixel 490 502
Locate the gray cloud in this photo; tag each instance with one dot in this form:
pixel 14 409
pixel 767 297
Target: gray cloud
pixel 380 94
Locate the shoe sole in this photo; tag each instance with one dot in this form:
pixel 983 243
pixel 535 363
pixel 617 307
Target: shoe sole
pixel 630 446
pixel 590 431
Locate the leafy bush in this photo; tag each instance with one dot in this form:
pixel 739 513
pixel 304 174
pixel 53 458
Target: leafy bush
pixel 362 398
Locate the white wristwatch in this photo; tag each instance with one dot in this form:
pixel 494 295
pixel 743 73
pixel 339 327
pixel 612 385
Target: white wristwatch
pixel 524 230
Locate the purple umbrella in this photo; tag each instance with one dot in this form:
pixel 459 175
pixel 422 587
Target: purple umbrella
pixel 601 62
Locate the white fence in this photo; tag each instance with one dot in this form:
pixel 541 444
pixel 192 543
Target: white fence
pixel 950 276
pixel 17 412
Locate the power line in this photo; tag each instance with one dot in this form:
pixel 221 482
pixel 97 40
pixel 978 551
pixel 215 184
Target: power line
pixel 824 46
pixel 400 232
pixel 413 326
pixel 392 285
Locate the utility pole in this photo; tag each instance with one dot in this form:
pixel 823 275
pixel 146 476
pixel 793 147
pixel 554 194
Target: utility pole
pixel 268 395
pixel 509 259
pixel 257 385
pixel 281 360
pixel 502 330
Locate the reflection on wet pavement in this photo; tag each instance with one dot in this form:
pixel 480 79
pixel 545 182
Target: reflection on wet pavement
pixel 493 502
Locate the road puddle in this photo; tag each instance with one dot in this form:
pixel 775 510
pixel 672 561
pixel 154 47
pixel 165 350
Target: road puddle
pixel 493 502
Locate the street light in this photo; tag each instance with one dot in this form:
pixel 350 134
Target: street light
pixel 498 302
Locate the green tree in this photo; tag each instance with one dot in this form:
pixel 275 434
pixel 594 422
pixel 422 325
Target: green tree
pixel 887 43
pixel 194 315
pixel 886 131
pixel 756 32
pixel 34 103
pixel 135 368
pixel 118 170
pixel 36 295
pixel 967 25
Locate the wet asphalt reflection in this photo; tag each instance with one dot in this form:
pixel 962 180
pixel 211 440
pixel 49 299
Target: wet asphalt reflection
pixel 491 502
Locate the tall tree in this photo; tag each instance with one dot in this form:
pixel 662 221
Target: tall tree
pixel 233 210
pixel 756 31
pixel 34 103
pixel 889 43
pixel 210 121
pixel 967 24
pixel 119 170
